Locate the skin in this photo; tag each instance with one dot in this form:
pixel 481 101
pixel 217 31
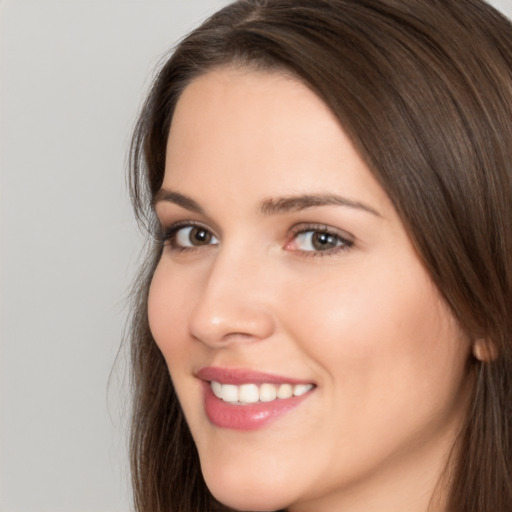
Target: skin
pixel 362 321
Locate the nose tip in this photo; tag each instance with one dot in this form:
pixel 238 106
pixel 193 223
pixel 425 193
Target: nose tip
pixel 219 323
pixel 231 310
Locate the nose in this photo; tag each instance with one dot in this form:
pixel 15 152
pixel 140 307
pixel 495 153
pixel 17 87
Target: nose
pixel 234 302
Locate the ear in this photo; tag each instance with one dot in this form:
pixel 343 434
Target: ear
pixel 484 350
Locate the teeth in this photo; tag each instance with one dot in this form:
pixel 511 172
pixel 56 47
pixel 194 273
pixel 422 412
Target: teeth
pixel 300 389
pixel 252 393
pixel 267 392
pixel 216 388
pixel 229 393
pixel 249 394
pixel 285 391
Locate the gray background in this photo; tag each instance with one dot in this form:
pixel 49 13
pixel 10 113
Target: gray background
pixel 72 75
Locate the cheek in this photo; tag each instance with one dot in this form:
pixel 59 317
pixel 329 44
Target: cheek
pixel 158 303
pixel 376 330
pixel 392 359
pixel 168 305
pixel 166 310
pixel 354 314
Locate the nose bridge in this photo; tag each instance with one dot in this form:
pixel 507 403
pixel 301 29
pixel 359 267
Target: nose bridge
pixel 234 304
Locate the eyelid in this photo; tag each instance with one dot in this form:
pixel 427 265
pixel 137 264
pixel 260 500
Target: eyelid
pixel 169 215
pixel 166 234
pixel 346 238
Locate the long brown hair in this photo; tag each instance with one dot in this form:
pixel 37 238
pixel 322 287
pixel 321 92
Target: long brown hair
pixel 424 90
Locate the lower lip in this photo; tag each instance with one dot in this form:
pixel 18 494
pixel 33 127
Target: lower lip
pixel 246 417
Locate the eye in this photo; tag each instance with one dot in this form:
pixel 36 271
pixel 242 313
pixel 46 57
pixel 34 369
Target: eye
pixel 318 240
pixel 183 237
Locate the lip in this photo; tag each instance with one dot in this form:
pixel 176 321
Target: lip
pixel 250 416
pixel 239 376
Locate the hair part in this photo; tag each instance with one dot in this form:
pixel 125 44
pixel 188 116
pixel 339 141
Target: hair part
pixel 424 91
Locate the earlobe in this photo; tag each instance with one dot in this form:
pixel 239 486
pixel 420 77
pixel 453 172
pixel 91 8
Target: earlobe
pixel 484 350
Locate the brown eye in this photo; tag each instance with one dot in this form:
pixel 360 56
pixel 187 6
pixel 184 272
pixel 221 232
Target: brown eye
pixel 324 241
pixel 319 241
pixel 193 236
pixel 199 236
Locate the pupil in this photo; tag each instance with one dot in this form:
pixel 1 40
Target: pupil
pixel 324 241
pixel 200 236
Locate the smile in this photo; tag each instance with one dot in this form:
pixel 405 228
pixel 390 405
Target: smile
pixel 253 393
pixel 248 400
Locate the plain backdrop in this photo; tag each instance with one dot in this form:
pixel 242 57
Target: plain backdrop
pixel 72 76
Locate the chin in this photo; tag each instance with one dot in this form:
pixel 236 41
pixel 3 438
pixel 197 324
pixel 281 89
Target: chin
pixel 245 492
pixel 248 502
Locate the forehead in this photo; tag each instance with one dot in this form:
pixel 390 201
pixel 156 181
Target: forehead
pixel 240 131
pixel 262 109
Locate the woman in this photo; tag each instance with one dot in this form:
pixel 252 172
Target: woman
pixel 324 320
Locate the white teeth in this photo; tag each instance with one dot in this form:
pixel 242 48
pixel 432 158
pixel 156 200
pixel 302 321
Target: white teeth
pixel 285 391
pixel 248 393
pixel 300 389
pixel 268 392
pixel 229 393
pixel 252 393
pixel 216 388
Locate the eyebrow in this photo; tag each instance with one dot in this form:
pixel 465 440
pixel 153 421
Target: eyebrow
pixel 272 206
pixel 182 200
pixel 303 202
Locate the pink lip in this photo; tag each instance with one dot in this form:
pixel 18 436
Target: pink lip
pixel 244 417
pixel 241 376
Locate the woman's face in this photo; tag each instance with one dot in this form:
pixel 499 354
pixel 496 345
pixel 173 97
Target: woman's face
pixel 315 361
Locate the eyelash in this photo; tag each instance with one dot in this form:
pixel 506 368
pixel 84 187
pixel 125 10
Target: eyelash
pixel 344 243
pixel 168 236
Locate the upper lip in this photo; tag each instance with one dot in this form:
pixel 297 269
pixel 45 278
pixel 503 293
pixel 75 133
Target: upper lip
pixel 240 376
